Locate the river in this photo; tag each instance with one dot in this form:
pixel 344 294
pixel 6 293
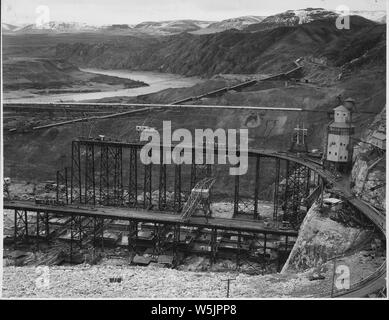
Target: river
pixel 156 82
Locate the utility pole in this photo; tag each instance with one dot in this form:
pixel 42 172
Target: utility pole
pixel 228 285
pixel 303 133
pixel 299 139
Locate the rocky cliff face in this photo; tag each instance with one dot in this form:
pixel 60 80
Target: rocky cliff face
pixel 368 175
pixel 321 239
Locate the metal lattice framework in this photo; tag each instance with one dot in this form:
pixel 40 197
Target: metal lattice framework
pixel 133 179
pixel 132 235
pixel 81 230
pixel 42 225
pixel 249 203
pixel 276 189
pixel 62 186
pixel 162 187
pixel 97 169
pixel 90 186
pixel 20 225
pixel 75 178
pixel 177 188
pixel 23 230
pixel 199 171
pixel 300 188
pixel 297 187
pixel 111 175
pixel 199 197
pixel 147 187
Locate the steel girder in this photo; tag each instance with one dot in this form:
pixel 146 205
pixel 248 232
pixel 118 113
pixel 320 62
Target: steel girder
pixel 42 226
pixel 90 187
pixel 83 184
pixel 158 239
pixel 80 229
pixel 256 190
pixel 248 204
pixel 118 176
pixel 162 187
pixel 177 188
pixel 104 176
pixel 75 178
pixel 132 236
pixel 244 205
pixel 276 198
pixel 147 187
pixel 111 175
pixel 199 171
pixel 62 192
pixel 98 231
pixel 133 179
pixel 20 225
pixel 296 192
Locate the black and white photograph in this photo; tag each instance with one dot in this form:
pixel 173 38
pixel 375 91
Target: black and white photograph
pixel 193 149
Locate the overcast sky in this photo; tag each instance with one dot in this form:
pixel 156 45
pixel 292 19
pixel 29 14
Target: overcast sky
pixel 99 12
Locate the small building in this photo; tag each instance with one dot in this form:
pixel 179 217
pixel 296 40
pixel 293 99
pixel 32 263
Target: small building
pixel 339 147
pixel 333 203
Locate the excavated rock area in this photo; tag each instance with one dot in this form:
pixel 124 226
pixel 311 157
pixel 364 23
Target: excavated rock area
pixel 322 238
pixel 307 273
pixel 369 170
pixel 154 282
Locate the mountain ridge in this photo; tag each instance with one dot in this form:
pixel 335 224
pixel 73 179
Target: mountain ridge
pixel 249 23
pixel 231 51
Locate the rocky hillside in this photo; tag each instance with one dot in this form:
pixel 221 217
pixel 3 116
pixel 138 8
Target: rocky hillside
pixel 325 233
pixel 7 27
pixel 296 17
pixel 171 27
pixel 292 18
pixel 230 51
pixel 377 16
pixel 40 73
pixel 322 238
pixel 369 171
pixel 238 23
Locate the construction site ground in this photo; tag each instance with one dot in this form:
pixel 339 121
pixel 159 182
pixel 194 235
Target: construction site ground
pixel 195 276
pixel 57 253
pixel 114 280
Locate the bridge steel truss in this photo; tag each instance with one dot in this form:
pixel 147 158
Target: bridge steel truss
pixel 297 191
pixel 62 188
pixel 25 228
pixel 86 231
pixel 99 168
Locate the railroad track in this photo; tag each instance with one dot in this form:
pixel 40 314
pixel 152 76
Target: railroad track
pixel 377 280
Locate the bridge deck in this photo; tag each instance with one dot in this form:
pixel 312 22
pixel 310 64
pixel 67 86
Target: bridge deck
pixel 150 216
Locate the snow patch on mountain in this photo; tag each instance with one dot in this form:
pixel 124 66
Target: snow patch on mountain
pixel 236 23
pixel 376 16
pixel 171 27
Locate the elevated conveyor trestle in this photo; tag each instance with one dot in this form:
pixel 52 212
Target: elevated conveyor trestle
pixel 199 197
